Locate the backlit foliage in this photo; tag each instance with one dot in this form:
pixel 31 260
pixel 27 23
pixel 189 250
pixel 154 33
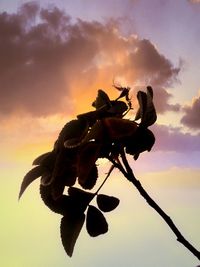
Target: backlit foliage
pixel 102 133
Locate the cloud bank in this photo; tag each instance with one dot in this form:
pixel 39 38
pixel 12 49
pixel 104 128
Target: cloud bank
pixel 49 62
pixel 191 117
pixel 173 139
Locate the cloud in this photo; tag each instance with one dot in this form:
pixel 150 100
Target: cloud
pixel 194 1
pixel 48 63
pixel 172 148
pixel 173 139
pixel 192 112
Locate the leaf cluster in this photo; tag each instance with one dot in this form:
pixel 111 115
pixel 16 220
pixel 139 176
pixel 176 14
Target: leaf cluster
pixel 102 133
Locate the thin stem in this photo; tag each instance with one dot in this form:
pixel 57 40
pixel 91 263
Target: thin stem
pixel 128 173
pixel 108 174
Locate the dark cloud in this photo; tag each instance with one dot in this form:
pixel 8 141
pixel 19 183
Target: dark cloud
pixel 191 117
pixel 46 60
pixel 173 139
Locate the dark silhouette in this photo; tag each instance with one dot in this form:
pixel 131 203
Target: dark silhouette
pixel 103 133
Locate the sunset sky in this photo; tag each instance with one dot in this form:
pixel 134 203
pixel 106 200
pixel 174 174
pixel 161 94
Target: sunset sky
pixel 54 56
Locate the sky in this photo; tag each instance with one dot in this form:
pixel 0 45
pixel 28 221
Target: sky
pixel 54 56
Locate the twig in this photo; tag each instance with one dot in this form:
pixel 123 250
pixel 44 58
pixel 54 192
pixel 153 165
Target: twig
pixel 108 174
pixel 128 173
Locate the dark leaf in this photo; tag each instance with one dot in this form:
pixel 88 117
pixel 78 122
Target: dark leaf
pixel 86 160
pixel 150 91
pixel 97 133
pixel 142 140
pixel 101 100
pixel 64 173
pixel 73 129
pixel 30 177
pixel 146 111
pixel 70 228
pixel 119 128
pixel 46 179
pixel 150 116
pixel 90 117
pixel 107 203
pixel 89 181
pixel 142 99
pixel 73 143
pixel 62 205
pixel 118 108
pixel 95 222
pixel 80 199
pixel 41 158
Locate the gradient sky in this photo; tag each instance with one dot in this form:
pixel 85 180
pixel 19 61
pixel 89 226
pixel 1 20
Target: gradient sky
pixel 54 56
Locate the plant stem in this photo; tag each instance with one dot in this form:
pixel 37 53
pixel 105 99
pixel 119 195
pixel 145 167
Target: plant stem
pixel 108 174
pixel 128 173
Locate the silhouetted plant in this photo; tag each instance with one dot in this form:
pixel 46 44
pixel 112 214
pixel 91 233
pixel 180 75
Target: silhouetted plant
pixel 103 133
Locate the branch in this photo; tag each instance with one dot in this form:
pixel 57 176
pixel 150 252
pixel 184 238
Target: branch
pixel 128 173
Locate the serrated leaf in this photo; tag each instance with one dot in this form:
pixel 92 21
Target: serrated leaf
pixel 96 223
pixel 30 177
pixel 86 160
pixel 73 143
pixel 70 228
pixel 73 129
pixel 107 203
pixel 64 173
pixel 62 205
pixel 89 181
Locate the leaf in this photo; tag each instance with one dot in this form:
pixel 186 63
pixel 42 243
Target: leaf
pixel 70 228
pixel 118 108
pixel 95 222
pixel 97 133
pixel 62 205
pixel 107 203
pixel 46 178
pixel 30 177
pixel 102 100
pixel 119 128
pixel 64 173
pixel 80 199
pixel 89 181
pixel 73 129
pixel 150 116
pixel 40 158
pixel 142 99
pixel 146 111
pixel 142 140
pixel 86 160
